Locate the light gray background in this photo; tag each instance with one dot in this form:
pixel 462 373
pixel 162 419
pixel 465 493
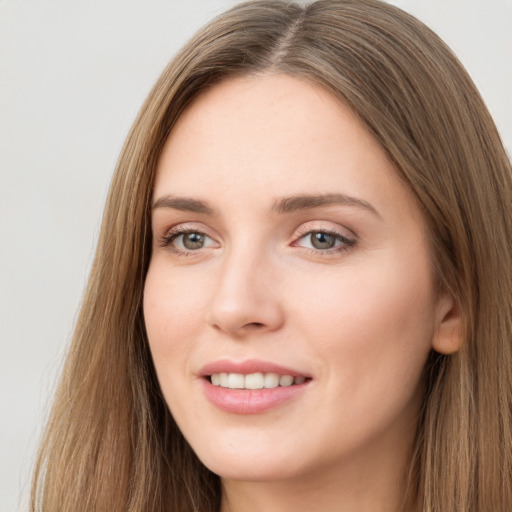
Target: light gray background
pixel 72 77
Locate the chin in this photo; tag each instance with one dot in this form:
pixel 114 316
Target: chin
pixel 256 465
pixel 248 470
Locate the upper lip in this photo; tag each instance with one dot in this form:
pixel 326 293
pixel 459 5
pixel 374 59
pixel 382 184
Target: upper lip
pixel 247 367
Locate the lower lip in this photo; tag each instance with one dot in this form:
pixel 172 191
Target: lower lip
pixel 250 401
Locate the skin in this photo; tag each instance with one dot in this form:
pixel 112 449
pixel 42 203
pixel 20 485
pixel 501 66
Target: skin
pixel 360 319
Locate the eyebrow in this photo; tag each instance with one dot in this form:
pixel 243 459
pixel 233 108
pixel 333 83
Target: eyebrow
pixel 184 204
pixel 304 202
pixel 280 206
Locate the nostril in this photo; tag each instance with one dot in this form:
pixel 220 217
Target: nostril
pixel 254 325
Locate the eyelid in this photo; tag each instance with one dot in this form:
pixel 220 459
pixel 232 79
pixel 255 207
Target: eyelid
pixel 325 227
pixel 184 227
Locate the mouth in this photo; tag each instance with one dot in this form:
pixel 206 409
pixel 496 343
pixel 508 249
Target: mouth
pixel 251 386
pixel 257 380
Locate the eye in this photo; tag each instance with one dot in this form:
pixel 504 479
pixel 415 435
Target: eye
pixel 321 240
pixel 187 240
pixel 191 241
pixel 324 241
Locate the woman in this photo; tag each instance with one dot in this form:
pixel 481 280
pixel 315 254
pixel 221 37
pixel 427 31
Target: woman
pixel 301 295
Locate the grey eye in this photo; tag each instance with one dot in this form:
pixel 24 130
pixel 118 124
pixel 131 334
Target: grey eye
pixel 193 241
pixel 321 240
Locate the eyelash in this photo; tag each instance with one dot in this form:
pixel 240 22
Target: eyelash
pixel 346 243
pixel 169 237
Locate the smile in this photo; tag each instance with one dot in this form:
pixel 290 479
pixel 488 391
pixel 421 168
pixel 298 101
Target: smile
pixel 251 386
pixel 256 380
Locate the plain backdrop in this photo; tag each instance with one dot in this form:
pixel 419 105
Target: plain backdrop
pixel 72 77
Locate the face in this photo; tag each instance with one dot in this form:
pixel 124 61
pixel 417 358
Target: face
pixel 289 300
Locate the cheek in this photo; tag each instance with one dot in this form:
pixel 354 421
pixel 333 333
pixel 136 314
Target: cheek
pixel 370 324
pixel 369 334
pixel 173 311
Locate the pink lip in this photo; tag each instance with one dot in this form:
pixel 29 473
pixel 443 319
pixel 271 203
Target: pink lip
pixel 246 367
pixel 249 401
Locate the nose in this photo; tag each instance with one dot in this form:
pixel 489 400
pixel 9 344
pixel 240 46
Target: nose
pixel 246 298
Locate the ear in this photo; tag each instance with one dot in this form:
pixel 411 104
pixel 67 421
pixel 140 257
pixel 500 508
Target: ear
pixel 448 335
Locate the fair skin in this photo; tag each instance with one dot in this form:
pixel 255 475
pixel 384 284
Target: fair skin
pixel 335 290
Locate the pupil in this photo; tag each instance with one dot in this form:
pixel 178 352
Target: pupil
pixel 322 241
pixel 193 240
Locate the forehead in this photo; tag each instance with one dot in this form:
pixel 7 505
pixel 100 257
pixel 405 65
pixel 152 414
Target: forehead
pixel 268 136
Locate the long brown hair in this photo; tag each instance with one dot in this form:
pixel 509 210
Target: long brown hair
pixel 111 443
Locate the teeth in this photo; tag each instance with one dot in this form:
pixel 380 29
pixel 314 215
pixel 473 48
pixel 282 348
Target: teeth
pixel 254 380
pixel 299 380
pixel 236 381
pixel 285 380
pixel 271 380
